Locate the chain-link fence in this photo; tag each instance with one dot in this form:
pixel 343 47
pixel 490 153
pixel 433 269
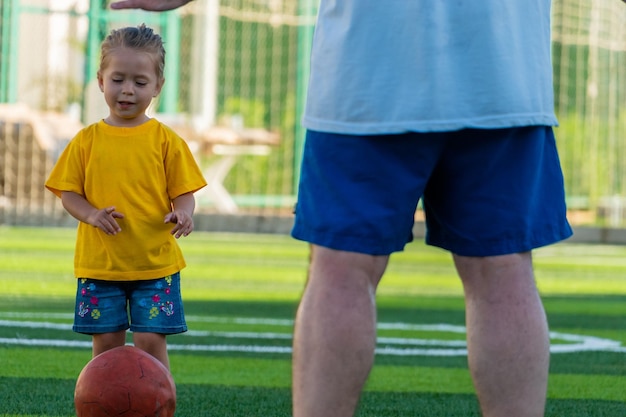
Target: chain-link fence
pixel 235 85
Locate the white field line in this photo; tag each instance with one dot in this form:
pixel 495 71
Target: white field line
pixel 392 346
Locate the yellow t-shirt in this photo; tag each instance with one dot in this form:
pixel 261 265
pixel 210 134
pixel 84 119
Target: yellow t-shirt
pixel 139 170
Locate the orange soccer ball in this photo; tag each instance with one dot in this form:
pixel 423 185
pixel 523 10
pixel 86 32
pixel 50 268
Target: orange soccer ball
pixel 125 382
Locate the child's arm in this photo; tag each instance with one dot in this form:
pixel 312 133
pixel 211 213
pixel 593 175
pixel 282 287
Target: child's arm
pixel 183 207
pixel 81 209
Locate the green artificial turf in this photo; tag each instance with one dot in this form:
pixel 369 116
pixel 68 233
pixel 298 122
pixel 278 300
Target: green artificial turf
pixel 241 292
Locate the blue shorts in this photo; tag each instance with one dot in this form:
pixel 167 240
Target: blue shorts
pixel 149 306
pixel 484 192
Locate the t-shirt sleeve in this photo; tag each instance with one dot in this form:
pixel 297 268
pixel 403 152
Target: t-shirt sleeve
pixel 181 169
pixel 68 173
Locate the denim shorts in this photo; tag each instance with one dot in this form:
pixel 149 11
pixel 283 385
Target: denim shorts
pixel 149 306
pixel 484 192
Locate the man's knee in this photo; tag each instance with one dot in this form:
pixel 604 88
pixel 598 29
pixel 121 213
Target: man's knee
pixel 501 269
pixel 342 265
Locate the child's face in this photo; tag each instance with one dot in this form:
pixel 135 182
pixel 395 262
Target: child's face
pixel 129 83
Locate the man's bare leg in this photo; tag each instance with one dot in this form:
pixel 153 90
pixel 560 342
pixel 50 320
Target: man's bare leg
pixel 335 333
pixel 507 335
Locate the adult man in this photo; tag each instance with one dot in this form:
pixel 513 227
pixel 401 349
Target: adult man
pixel 450 102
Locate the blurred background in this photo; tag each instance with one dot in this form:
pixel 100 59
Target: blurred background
pixel 236 76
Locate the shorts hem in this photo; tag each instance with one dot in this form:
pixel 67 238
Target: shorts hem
pixel 90 330
pixel 503 247
pixel 359 244
pixel 159 330
pixel 375 247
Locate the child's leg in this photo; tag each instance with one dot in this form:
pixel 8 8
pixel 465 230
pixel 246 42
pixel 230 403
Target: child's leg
pixel 154 344
pixel 102 313
pixel 156 310
pixel 105 341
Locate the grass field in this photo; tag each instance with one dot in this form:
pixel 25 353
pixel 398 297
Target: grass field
pixel 241 293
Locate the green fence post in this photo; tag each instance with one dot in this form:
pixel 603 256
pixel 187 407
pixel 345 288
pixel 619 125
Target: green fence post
pixel 4 49
pixel 9 47
pixel 171 36
pixel 94 37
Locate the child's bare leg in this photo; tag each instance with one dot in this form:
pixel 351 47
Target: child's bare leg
pixel 105 341
pixel 154 344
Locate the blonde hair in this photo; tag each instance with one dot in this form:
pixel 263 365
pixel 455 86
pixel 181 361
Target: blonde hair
pixel 140 38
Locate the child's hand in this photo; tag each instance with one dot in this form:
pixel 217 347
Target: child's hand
pixel 184 223
pixel 104 219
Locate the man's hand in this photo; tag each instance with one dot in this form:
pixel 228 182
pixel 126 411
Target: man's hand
pixel 150 5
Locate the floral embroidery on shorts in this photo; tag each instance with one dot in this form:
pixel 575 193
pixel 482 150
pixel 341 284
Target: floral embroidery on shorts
pixel 88 307
pixel 158 304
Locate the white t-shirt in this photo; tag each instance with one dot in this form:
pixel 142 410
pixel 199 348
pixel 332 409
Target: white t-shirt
pixel 391 66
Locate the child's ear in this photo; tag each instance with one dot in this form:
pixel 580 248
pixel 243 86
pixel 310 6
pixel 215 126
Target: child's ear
pixel 159 86
pixel 100 81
